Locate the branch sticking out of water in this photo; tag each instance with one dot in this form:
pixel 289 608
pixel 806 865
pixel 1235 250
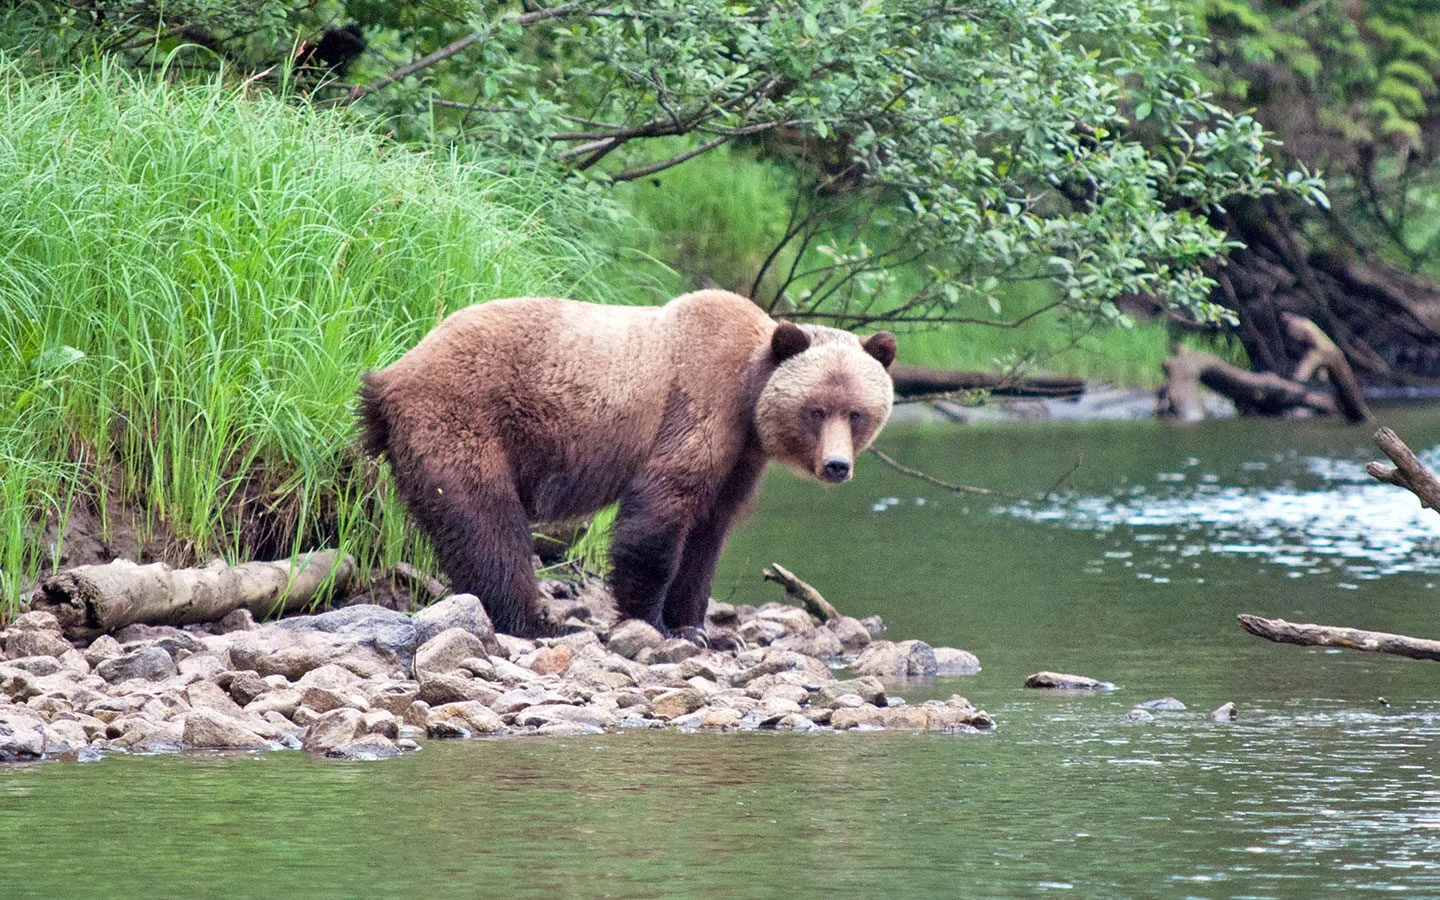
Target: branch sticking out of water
pixel 1408 472
pixel 1283 632
pixel 810 598
pixel 916 473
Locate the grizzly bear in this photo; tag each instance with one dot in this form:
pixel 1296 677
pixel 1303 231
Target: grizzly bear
pixel 540 410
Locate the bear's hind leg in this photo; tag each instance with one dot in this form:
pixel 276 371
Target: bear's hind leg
pixel 482 536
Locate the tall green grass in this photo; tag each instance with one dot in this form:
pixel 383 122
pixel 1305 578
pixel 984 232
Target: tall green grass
pixel 191 280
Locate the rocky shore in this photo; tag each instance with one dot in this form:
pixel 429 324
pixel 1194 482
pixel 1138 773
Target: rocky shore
pixel 366 682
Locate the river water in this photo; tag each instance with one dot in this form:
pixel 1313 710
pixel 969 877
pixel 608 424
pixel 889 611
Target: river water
pixel 1133 575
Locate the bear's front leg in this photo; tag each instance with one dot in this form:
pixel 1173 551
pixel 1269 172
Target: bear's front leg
pixel 655 517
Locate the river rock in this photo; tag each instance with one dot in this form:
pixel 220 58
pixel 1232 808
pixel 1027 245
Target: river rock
pixel 381 722
pixel 441 689
pixel 445 651
pixel 323 700
pixel 244 687
pixel 208 695
pixel 392 696
pixel 17 684
pixel 22 735
pixel 673 650
pixel 285 701
pixel 331 729
pixel 673 704
pixel 869 689
pixel 1167 704
pixel 852 635
pixel 233 621
pixel 549 713
pixel 35 642
pixel 552 660
pixel 874 624
pixel 1224 713
pixel 206 729
pixel 760 632
pixel 1139 715
pixel 792 618
pixel 631 636
pixel 148 663
pixel 905 659
pixel 367 640
pixel 1058 681
pixel 818 642
pixel 463 720
pixel 64 736
pixel 774 661
pixel 950 661
pixel 206 665
pixel 102 648
pixel 463 611
pixel 140 735
pixel 38 666
pixel 36 620
pixel 368 747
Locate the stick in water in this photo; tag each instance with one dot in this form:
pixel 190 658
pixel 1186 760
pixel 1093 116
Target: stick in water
pixel 1283 632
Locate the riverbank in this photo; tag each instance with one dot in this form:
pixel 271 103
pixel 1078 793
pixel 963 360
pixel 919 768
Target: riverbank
pixel 366 682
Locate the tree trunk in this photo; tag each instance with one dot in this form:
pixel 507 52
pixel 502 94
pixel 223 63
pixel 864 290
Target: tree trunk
pixel 1408 472
pixel 1254 393
pixel 1283 632
pixel 916 380
pixel 93 600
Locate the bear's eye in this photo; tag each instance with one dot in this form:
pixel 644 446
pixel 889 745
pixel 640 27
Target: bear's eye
pixel 815 414
pixel 857 418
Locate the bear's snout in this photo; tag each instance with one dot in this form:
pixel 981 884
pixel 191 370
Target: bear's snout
pixel 837 470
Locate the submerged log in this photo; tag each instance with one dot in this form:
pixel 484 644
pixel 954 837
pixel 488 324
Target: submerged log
pixel 1282 632
pixel 1253 393
pixel 93 600
pixel 915 381
pixel 1408 472
pixel 796 589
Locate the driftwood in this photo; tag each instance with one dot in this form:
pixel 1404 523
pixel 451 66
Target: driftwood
pixel 1283 632
pixel 92 600
pixel 1408 472
pixel 1254 393
pixel 913 382
pixel 796 589
pixel 1323 353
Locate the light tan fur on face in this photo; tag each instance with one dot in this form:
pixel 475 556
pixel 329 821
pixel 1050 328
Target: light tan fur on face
pixel 806 412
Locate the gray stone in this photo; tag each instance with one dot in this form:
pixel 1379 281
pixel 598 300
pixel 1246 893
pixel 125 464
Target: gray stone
pixel 950 661
pixel 141 735
pixel 869 689
pixel 64 736
pixel 792 618
pixel 1165 704
pixel 207 695
pixel 633 635
pixel 323 700
pixel 1138 715
pixel 674 650
pixel 545 714
pixel 463 611
pixel 774 661
pixel 1058 681
pixel 673 704
pixel 367 640
pixel 245 687
pixel 852 635
pixel 206 665
pixel 818 642
pixel 17 684
pixel 102 648
pixel 440 689
pixel 38 666
pixel 516 699
pixel 1224 713
pixel 22 736
pixel 760 632
pixel 445 652
pixel 378 721
pixel 568 729
pixel 331 729
pixel 37 620
pixel 148 663
pixel 206 729
pixel 888 659
pixel 367 748
pixel 35 642
pixel 235 620
pixel 463 720
pixel 329 676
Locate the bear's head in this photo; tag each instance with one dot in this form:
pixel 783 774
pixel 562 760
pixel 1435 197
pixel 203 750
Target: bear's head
pixel 828 397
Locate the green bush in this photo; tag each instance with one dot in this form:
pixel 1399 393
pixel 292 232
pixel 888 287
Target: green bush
pixel 191 280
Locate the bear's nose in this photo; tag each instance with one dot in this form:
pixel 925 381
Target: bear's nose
pixel 837 470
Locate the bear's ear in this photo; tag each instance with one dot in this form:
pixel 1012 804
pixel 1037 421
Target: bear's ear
pixel 787 341
pixel 881 345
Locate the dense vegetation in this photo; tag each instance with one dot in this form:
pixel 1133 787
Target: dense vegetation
pixel 191 279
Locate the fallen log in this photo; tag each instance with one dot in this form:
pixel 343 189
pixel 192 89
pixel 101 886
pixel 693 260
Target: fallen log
pixel 1253 393
pixel 917 381
pixel 796 589
pixel 1282 632
pixel 1323 353
pixel 1408 472
pixel 93 600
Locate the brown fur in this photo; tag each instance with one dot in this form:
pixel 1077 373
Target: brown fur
pixel 531 410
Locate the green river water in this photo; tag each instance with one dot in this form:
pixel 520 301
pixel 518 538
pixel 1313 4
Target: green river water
pixel 1134 577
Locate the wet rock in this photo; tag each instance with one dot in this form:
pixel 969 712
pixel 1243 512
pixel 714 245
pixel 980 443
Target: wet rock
pixel 547 714
pixel 1225 713
pixel 1167 704
pixel 1058 681
pixel 102 648
pixel 244 687
pixel 773 662
pixel 950 661
pixel 208 695
pixel 631 636
pixel 64 736
pixel 852 635
pixel 17 684
pixel 874 624
pixel 22 736
pixel 206 729
pixel 141 735
pixel 368 748
pixel 148 663
pixel 673 704
pixel 417 716
pixel 905 659
pixel 793 619
pixel 552 660
pixel 323 700
pixel 818 642
pixel 440 689
pixel 463 611
pixel 331 729
pixel 392 696
pixel 674 650
pixel 381 722
pixel 516 699
pixel 869 689
pixel 1138 715
pixel 35 642
pixel 462 720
